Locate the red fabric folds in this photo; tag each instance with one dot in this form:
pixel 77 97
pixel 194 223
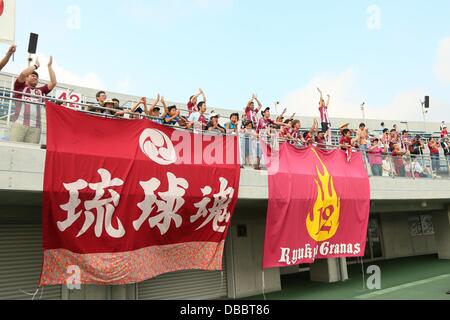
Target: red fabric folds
pixel 319 206
pixel 125 201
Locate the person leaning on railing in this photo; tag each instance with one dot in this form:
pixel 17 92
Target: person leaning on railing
pixel 308 136
pixel 416 147
pixel 433 145
pixel 387 166
pixel 198 118
pixel 101 97
pixel 7 57
pixel 414 166
pixel 346 142
pixel 285 131
pixel 214 126
pixel 172 117
pixel 405 141
pixel 445 144
pixel 376 157
pixel 444 131
pixel 362 137
pixel 266 122
pixel 294 135
pixel 320 139
pixel 397 156
pixel 233 125
pixel 27 119
pixel 114 108
pixel 385 137
pixel 155 111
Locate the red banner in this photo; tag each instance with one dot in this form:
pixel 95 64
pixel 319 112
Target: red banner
pixel 319 206
pixel 128 200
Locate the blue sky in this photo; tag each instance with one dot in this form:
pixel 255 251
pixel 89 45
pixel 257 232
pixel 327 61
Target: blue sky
pixel 231 48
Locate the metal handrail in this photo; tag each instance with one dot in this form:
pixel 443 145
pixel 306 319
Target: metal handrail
pixel 144 116
pixel 272 136
pixel 86 104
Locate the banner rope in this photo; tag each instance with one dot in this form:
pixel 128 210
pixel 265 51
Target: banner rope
pixel 264 285
pixel 31 294
pixel 363 274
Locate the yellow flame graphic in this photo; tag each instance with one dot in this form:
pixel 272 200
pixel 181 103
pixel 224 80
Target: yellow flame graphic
pixel 323 223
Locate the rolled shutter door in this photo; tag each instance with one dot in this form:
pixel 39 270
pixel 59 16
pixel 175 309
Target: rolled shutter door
pixel 186 285
pixel 21 262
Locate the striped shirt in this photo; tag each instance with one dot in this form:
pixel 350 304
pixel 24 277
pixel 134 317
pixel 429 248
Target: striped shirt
pixel 295 134
pixel 28 113
pixel 251 115
pixel 324 118
pixel 192 108
pixel 264 124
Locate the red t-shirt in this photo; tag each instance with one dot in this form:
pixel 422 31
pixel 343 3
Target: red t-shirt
pixel 202 120
pixel 192 107
pixel 398 160
pixel 345 140
pixel 433 149
pixel 320 140
pixel 285 131
pixel 309 138
pixel 444 133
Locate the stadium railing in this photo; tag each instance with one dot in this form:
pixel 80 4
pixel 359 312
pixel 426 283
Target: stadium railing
pixel 407 166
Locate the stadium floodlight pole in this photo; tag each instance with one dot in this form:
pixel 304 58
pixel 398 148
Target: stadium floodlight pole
pixel 363 109
pixel 424 112
pixel 277 104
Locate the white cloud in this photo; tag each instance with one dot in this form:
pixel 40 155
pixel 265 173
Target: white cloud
pixel 342 88
pixel 442 65
pixel 124 85
pixel 346 101
pixel 404 106
pixel 63 75
pixel 89 80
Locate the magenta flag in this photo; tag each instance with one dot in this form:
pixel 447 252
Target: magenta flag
pixel 319 206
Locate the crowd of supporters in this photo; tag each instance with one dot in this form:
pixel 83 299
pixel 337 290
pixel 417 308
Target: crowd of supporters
pixel 392 152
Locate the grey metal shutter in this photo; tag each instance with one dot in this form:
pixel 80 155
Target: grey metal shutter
pixel 186 285
pixel 21 262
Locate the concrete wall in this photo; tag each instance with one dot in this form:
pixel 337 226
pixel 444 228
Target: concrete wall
pixel 22 169
pixel 246 253
pixel 397 238
pixel 384 189
pixel 21 181
pixel 442 229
